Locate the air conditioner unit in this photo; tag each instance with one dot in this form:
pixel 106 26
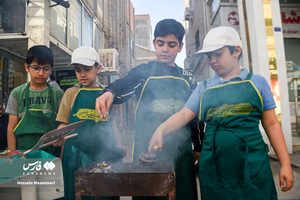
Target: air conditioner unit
pixel 188 14
pixel 110 61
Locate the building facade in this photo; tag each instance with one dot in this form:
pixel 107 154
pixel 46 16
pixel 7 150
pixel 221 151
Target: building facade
pixel 144 52
pixel 143 31
pixel 269 30
pixel 106 25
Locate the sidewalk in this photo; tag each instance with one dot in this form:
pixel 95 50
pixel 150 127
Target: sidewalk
pixel 295 159
pixel 294 193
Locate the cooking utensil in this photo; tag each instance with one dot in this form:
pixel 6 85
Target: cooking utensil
pixel 148 157
pixel 126 179
pixel 47 139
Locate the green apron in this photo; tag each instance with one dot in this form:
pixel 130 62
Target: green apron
pixel 34 124
pixel 161 97
pixel 234 162
pixel 94 143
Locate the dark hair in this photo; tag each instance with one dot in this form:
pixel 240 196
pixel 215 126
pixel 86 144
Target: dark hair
pixel 40 54
pixel 231 49
pixel 52 76
pixel 169 26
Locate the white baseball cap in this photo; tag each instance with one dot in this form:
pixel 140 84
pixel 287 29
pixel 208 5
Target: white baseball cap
pixel 219 37
pixel 85 55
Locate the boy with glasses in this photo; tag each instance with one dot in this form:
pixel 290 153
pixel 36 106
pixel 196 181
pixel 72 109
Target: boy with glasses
pixel 32 107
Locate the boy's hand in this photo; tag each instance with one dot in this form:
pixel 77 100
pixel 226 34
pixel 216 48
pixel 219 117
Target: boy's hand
pixel 124 150
pixel 59 142
pixel 286 174
pixel 103 104
pixel 157 138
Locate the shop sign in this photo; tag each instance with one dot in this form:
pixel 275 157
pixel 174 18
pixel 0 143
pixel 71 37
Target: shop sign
pixel 230 17
pixel 66 79
pixel 233 18
pixel 290 22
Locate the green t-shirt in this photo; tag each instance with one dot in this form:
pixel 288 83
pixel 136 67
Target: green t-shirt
pixel 37 99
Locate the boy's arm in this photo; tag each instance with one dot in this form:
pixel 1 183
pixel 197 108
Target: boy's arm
pixel 62 125
pixel 11 138
pixel 123 89
pixel 173 123
pixel 65 107
pixel 275 135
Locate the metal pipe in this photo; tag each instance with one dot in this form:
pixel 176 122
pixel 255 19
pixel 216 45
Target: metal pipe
pixel 296 113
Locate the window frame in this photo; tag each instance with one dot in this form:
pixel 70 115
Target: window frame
pixel 209 4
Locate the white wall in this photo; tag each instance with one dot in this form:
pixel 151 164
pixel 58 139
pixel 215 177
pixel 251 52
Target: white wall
pixel 260 59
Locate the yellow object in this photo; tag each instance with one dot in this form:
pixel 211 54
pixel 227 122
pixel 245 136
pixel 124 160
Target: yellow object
pixel 89 114
pixel 104 164
pixel 5 151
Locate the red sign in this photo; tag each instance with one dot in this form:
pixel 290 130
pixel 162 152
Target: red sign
pixel 233 18
pixel 293 18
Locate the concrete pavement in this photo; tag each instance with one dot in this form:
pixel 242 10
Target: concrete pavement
pixel 294 193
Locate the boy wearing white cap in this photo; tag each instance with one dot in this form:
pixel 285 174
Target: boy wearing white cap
pixel 234 162
pixel 95 140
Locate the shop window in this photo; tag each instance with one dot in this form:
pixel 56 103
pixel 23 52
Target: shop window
pixel 213 7
pixel 291 47
pixel 12 74
pixel 12 16
pixel 58 26
pixel 87 30
pixel 75 24
pixel 98 37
